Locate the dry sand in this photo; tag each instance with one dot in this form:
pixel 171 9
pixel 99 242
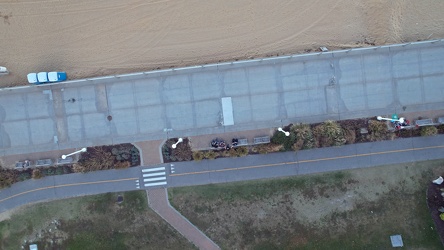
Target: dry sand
pixel 91 38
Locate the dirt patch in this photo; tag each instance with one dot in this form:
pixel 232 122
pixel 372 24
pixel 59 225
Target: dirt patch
pixel 145 35
pixel 357 209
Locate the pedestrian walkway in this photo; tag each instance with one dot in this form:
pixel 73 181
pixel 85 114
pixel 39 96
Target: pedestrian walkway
pixel 150 154
pixel 202 142
pixel 158 201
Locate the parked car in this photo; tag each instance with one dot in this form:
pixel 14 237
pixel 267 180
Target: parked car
pixel 42 77
pixel 32 78
pixel 45 77
pixel 57 76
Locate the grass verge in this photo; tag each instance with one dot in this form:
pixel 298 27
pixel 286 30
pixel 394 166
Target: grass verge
pixel 91 222
pixel 356 209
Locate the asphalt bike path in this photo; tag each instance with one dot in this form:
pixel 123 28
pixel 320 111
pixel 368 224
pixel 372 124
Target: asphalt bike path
pixel 224 170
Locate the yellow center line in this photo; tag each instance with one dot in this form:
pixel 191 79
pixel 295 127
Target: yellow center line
pixel 308 161
pixel 68 185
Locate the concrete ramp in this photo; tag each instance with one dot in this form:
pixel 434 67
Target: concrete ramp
pixel 227 111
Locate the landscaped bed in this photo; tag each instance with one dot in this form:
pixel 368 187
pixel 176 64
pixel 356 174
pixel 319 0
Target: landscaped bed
pixel 96 158
pixel 303 136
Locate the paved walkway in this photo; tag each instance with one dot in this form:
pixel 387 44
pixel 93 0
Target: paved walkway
pixel 158 201
pixel 265 93
pixel 150 154
pixel 202 142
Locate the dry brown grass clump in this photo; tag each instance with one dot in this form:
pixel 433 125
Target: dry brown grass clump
pixel 429 130
pixel 378 130
pixel 329 134
pixel 267 148
pixel 198 155
pixel 36 173
pixel 210 155
pixel 304 137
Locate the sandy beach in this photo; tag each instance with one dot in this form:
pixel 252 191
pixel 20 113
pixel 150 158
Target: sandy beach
pixel 89 38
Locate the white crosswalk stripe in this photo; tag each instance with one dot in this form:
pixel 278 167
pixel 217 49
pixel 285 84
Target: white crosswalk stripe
pixel 154 176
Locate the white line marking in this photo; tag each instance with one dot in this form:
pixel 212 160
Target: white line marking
pixel 154 174
pixel 155 184
pixel 152 169
pixel 155 179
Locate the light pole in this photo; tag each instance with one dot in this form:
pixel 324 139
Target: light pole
pixel 178 141
pixel 73 153
pixel 401 120
pixel 285 132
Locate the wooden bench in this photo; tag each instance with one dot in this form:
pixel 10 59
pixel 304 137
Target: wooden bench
pixel 261 140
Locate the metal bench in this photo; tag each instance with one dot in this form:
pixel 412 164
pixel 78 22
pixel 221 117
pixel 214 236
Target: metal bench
pixel 61 161
pixel 43 163
pixel 424 122
pixel 441 120
pixel 22 164
pixel 242 142
pixel 261 140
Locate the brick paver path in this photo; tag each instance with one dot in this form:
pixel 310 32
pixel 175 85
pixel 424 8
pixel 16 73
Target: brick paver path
pixel 150 152
pixel 158 201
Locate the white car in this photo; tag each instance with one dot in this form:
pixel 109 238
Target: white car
pixel 42 77
pixel 32 78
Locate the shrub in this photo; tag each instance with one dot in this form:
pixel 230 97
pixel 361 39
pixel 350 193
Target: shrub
pixel 182 152
pixel 77 168
pixel 122 164
pixel 210 155
pixel 242 151
pixel 7 177
pixel 378 130
pixel 167 150
pixel 36 174
pixel 350 135
pixel 303 137
pixel 441 216
pixel 329 134
pixel 282 139
pixel 97 158
pixel 232 152
pixel 267 148
pixel 429 130
pixel 198 155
